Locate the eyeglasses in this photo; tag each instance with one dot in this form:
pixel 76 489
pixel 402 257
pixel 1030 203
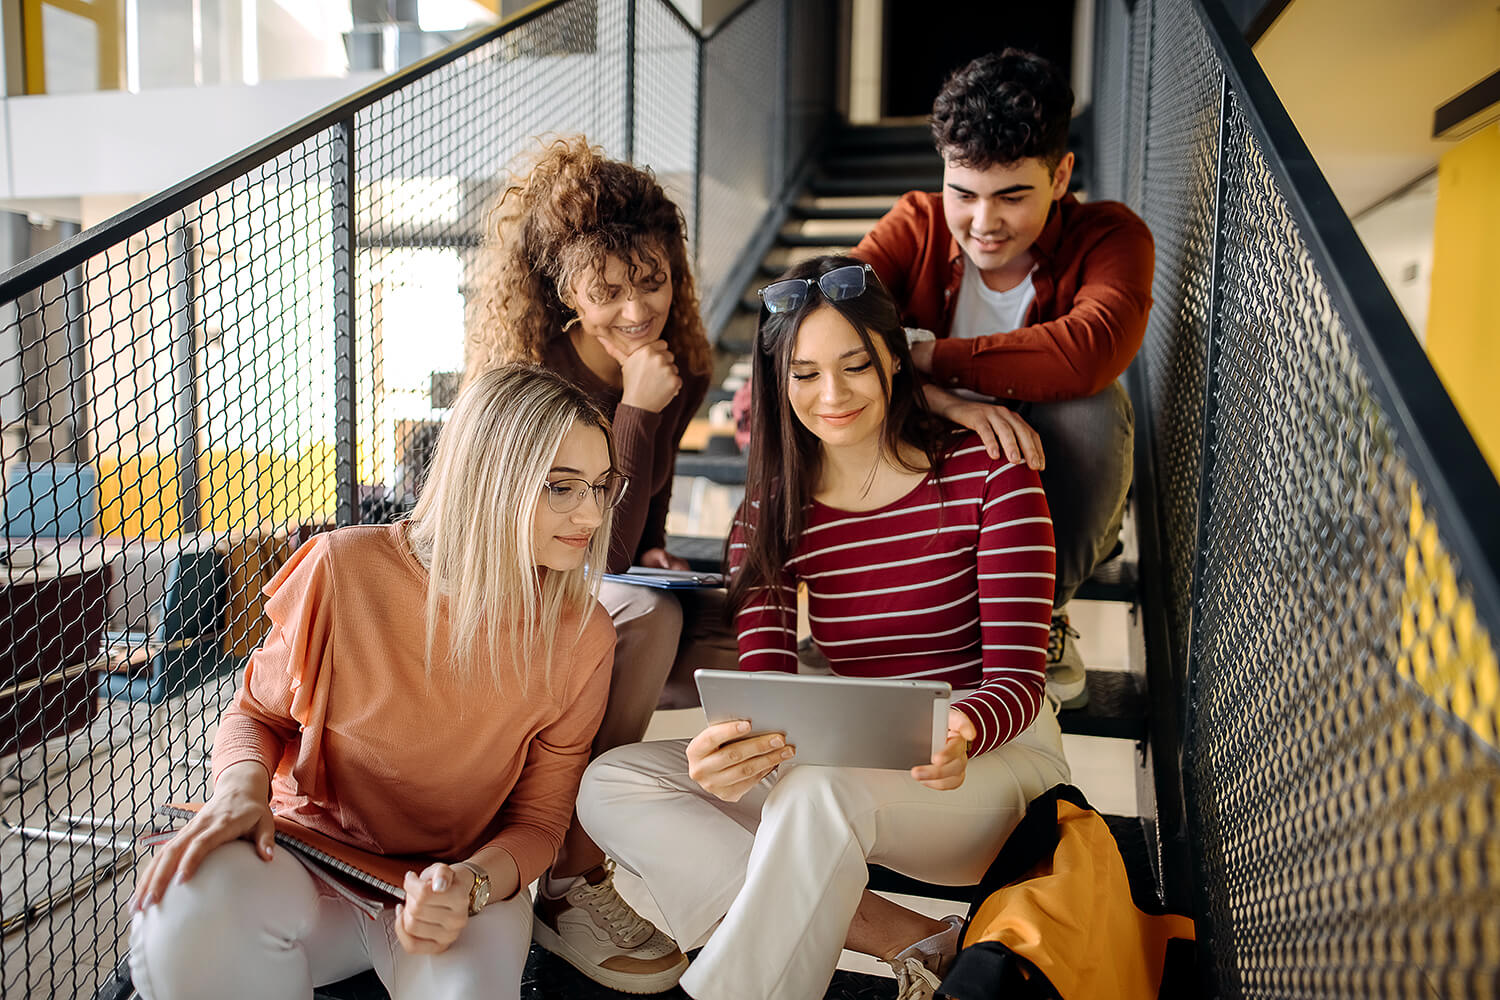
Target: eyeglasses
pixel 564 495
pixel 789 294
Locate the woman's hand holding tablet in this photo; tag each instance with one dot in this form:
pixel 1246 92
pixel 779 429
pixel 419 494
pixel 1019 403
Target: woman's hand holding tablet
pixel 951 762
pixel 727 763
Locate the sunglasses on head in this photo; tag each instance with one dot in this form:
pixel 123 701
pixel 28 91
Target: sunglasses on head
pixel 789 294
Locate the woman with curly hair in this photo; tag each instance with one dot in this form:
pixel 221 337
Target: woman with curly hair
pixel 593 283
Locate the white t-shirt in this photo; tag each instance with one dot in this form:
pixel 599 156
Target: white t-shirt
pixel 982 310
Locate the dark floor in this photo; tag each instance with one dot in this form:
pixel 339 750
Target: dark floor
pixel 550 978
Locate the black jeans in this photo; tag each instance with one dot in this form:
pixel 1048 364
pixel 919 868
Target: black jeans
pixel 1089 444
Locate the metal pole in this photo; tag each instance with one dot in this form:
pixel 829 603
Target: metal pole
pixel 346 452
pixel 184 326
pixel 15 247
pixel 78 357
pixel 780 139
pixel 1201 534
pixel 698 159
pixel 630 81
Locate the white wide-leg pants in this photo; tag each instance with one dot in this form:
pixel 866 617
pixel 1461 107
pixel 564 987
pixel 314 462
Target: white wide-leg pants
pixel 781 872
pixel 246 928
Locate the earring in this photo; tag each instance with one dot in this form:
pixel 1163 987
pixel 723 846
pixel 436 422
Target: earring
pixel 570 323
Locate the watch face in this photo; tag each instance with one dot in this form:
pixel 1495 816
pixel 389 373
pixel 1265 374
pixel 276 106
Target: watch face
pixel 480 896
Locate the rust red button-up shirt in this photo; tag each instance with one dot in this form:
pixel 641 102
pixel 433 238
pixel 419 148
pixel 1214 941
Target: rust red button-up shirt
pixel 1093 291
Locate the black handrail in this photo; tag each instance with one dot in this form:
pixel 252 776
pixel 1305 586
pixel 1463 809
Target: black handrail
pixel 54 262
pixel 727 21
pixel 1458 483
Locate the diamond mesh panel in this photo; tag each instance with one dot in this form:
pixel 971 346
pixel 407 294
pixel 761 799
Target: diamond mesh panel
pixel 1178 205
pixel 177 428
pixel 666 87
pixel 1137 104
pixel 432 161
pixel 140 526
pixel 1341 762
pixel 741 109
pixel 1111 64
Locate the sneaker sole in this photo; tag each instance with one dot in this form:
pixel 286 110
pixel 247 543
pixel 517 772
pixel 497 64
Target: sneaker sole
pixel 624 982
pixel 1079 700
pixel 1067 694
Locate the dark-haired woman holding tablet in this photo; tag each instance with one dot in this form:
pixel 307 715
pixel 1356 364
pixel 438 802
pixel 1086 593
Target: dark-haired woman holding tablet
pixel 923 558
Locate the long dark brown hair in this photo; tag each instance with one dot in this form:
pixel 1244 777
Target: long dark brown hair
pixel 572 210
pixel 786 459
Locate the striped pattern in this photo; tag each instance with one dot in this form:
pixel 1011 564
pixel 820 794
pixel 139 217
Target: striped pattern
pixel 953 586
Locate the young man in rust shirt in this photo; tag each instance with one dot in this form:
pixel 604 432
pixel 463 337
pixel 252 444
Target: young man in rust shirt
pixel 1018 293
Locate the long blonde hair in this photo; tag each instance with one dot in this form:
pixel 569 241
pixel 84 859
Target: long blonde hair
pixel 574 208
pixel 473 526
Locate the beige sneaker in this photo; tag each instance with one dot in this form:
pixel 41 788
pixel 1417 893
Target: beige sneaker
pixel 592 929
pixel 1067 681
pixel 920 968
pixel 914 981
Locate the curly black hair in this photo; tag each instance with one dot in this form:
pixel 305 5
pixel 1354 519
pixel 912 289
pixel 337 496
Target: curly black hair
pixel 1003 108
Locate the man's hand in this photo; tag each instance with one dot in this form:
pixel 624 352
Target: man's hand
pixel 436 909
pixel 999 427
pixel 951 763
pixel 727 764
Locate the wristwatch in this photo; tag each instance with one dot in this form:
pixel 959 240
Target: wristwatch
pixel 480 893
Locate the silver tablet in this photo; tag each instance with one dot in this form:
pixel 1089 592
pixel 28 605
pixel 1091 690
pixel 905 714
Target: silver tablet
pixel 843 721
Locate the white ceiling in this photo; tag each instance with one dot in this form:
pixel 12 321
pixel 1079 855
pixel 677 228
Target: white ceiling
pixel 1361 79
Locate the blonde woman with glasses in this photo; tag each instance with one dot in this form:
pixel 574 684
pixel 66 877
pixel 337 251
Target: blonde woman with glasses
pixel 429 688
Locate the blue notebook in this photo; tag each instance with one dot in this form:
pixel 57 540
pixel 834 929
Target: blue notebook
pixel 667 579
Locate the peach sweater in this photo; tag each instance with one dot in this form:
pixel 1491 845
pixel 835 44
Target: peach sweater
pixel 363 746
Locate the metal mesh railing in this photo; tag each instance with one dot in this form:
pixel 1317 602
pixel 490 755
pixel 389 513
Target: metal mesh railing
pixel 264 352
pixel 738 180
pixel 1329 581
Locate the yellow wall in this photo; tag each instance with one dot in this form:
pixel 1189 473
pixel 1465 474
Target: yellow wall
pixel 236 489
pixel 1463 319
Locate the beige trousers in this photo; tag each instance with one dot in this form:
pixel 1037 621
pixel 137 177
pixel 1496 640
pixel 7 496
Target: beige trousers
pixel 246 929
pixel 773 880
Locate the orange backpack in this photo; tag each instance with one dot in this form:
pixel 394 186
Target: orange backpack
pixel 1054 917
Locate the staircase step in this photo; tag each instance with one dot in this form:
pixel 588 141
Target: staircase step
pixel 836 212
pixel 726 469
pixel 844 239
pixel 1116 580
pixel 861 162
pixel 895 184
pixel 880 137
pixel 1116 709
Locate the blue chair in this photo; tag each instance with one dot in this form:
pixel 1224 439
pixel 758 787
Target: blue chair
pixel 181 646
pixel 49 500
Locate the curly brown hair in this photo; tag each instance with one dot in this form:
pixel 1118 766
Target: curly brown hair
pixel 1002 108
pixel 571 211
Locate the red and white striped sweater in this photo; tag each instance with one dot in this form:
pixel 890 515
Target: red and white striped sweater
pixel 952 585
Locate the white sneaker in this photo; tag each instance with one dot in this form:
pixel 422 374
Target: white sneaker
pixel 1067 682
pixel 592 929
pixel 919 968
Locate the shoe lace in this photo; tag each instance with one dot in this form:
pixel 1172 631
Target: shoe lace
pixel 912 982
pixel 1058 636
pixel 626 927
